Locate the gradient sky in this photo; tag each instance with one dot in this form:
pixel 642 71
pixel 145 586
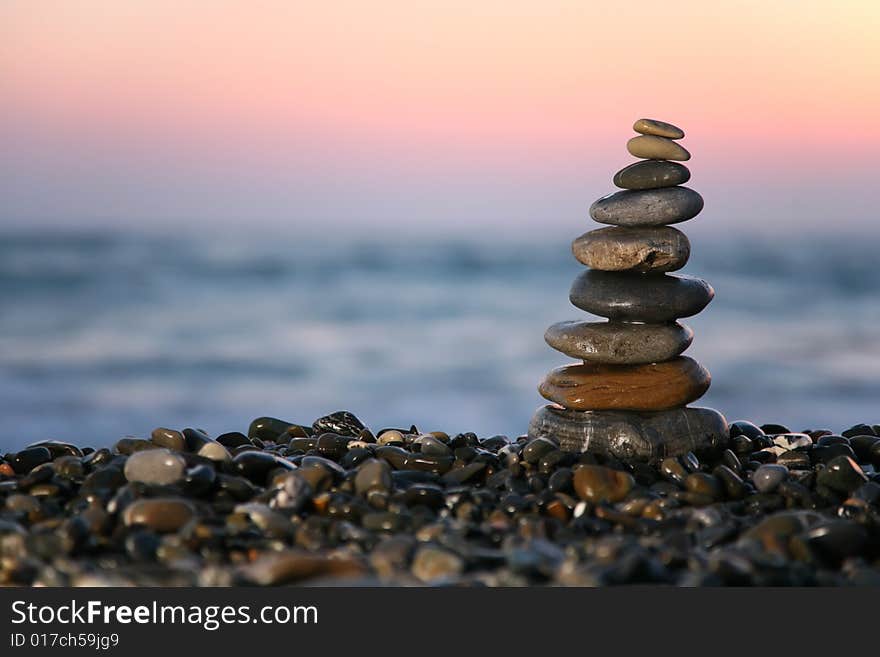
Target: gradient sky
pixel 452 115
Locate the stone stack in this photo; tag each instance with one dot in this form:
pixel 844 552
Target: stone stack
pixel 629 396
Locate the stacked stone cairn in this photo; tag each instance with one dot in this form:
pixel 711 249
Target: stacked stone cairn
pixel 629 396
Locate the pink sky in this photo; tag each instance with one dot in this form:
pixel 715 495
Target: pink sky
pixel 449 113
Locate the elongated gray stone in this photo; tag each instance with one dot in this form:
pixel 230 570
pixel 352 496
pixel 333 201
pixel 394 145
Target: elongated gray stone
pixel 652 174
pixel 632 435
pixel 643 249
pixel 658 128
pixel 640 297
pixel 652 147
pixel 619 343
pixel 647 207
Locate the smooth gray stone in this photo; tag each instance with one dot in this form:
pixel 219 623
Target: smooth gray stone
pixel 658 128
pixel 645 249
pixel 155 466
pixel 619 343
pixel 640 297
pixel 768 477
pixel 652 174
pixel 631 435
pixel 647 207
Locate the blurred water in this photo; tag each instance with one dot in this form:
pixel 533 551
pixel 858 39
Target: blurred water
pixel 107 335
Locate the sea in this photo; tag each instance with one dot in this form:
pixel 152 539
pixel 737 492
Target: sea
pixel 108 334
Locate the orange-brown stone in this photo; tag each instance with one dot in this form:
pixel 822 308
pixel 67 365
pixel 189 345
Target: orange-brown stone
pixel 650 387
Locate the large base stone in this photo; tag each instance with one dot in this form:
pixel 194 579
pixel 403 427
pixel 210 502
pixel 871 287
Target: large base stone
pixel 633 435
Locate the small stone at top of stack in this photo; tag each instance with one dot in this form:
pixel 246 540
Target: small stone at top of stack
pixel 629 395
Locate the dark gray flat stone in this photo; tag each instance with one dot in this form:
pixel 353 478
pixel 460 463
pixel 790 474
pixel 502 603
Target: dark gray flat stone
pixel 640 297
pixel 652 174
pixel 633 435
pixel 647 207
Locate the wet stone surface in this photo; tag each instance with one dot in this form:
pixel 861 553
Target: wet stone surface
pixel 288 503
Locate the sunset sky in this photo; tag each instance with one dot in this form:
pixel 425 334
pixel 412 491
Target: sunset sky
pixel 452 115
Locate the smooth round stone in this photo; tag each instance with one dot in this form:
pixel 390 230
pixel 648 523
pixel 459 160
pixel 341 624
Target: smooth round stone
pixel 647 207
pixel 647 249
pixel 598 484
pixel 652 147
pixel 161 514
pixel 638 297
pixel 768 477
pixel 373 474
pixel 658 128
pixel 649 387
pixel 619 343
pixel 161 467
pixel 631 435
pixel 652 174
pixel 841 474
pixel 704 484
pixel 168 438
pixel 537 448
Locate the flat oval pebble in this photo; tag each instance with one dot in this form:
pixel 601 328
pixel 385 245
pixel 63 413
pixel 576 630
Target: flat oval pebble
pixel 632 435
pixel 161 467
pixel 598 484
pixel 652 174
pixel 161 514
pixel 658 128
pixel 652 147
pixel 651 387
pixel 168 438
pixel 619 343
pixel 647 207
pixel 644 249
pixel 639 297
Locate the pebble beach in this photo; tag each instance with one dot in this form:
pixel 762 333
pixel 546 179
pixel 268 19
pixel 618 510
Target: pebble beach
pixel 334 502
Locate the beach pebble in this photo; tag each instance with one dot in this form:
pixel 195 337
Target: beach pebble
pixel 652 147
pixel 198 442
pixel 268 428
pixel 788 441
pixel 841 474
pixel 639 298
pixel 768 477
pixel 647 207
pixel 161 514
pixel 341 423
pixel 256 465
pixel 433 564
pixel 28 459
pixel 650 387
pixel 645 250
pixel 296 566
pixel 658 128
pixel 373 475
pixel 597 484
pixel 619 343
pixel 168 438
pixel 161 467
